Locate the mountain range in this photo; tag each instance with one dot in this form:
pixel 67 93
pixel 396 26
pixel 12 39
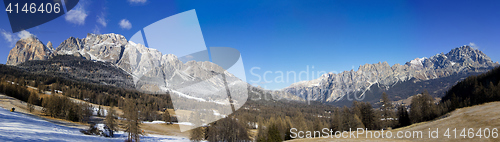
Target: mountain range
pixel 153 71
pixel 435 74
pixel 127 65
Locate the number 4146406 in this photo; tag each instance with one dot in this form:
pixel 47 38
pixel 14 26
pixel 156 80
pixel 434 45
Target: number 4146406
pixel 471 133
pixel 33 8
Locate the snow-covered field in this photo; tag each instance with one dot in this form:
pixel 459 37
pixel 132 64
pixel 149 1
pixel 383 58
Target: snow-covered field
pixel 15 126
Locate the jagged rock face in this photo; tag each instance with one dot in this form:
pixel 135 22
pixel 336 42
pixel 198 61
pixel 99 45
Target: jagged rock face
pixel 155 72
pixel 105 47
pixel 158 73
pixel 29 48
pixel 144 64
pixel 49 45
pixel 332 87
pixel 149 69
pixel 70 46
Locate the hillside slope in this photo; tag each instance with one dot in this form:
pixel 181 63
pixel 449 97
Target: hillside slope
pixel 479 116
pixel 79 69
pixel 17 126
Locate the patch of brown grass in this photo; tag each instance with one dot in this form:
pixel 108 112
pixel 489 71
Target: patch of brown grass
pixel 480 116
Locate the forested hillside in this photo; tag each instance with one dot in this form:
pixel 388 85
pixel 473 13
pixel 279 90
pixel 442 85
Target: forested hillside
pixel 80 69
pixel 261 120
pixel 15 81
pixel 474 90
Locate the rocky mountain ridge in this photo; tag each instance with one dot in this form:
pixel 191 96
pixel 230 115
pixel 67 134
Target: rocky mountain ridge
pixel 153 71
pixel 150 70
pixel 106 47
pixel 334 87
pixel 29 48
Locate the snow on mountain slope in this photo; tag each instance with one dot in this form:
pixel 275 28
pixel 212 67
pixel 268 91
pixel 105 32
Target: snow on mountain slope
pixel 333 88
pixel 15 126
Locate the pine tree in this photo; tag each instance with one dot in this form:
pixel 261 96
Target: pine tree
pixel 428 107
pixel 227 129
pixel 72 115
pixel 317 126
pixel 166 117
pixel 85 113
pixel 261 132
pixel 32 101
pixel 99 111
pixel 367 115
pixel 336 122
pixel 132 117
pixel 416 109
pixel 403 117
pixel 300 121
pixel 111 120
pixel 274 134
pixel 288 126
pixel 197 134
pixel 387 110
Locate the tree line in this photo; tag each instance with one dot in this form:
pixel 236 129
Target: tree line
pixel 137 106
pixel 99 94
pixel 276 118
pixel 473 90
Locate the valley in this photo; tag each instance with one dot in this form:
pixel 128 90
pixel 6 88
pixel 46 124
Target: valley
pixel 481 116
pixel 149 89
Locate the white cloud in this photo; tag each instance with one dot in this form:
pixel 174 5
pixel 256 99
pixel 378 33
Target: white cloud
pixel 473 45
pixel 24 34
pixel 125 24
pixel 97 30
pixel 102 20
pixel 137 1
pixel 13 38
pixel 77 15
pixel 9 37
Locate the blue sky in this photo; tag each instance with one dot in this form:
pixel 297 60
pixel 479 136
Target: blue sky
pixel 295 35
